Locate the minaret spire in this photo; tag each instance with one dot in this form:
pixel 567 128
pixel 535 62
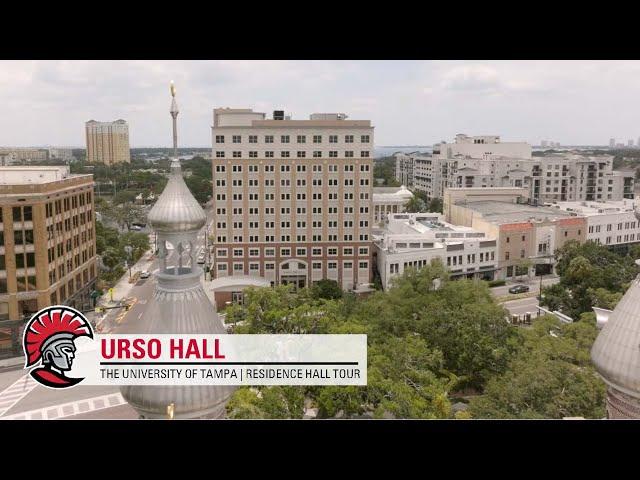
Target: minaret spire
pixel 179 304
pixel 174 114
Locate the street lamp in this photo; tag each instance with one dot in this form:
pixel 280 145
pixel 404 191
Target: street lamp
pixel 129 249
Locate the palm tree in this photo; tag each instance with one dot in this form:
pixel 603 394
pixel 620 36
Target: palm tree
pixel 415 205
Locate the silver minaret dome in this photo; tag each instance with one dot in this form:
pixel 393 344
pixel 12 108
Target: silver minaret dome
pixel 179 304
pixel 616 353
pixel 176 211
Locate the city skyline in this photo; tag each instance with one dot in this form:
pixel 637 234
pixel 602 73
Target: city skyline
pixel 408 102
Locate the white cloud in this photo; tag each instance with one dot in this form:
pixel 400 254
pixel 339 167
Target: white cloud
pixel 47 102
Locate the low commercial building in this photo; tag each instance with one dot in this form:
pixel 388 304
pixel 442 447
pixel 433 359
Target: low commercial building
pixel 24 155
pixel 387 200
pixel 612 224
pixel 415 239
pixel 527 235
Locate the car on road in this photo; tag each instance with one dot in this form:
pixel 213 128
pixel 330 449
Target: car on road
pixel 519 289
pixel 145 274
pixel 136 228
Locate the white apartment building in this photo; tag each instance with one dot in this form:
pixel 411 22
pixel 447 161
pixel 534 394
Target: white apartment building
pixel 65 154
pixel 614 224
pixel 387 200
pixel 482 164
pixel 414 239
pixel 405 167
pixel 292 198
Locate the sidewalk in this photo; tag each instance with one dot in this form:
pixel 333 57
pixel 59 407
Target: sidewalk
pixel 206 285
pixel 122 289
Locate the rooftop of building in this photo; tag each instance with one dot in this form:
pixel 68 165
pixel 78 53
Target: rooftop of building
pixel 249 118
pixel 505 212
pixel 382 194
pixel 428 224
pixel 30 175
pixel 121 121
pixel 590 208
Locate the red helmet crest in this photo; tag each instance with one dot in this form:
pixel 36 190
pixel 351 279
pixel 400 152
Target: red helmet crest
pixel 52 321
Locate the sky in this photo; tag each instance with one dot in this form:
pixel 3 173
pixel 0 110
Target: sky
pixel 408 102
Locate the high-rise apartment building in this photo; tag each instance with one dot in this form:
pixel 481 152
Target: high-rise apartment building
pixel 47 239
pixel 292 198
pixel 107 142
pixel 612 143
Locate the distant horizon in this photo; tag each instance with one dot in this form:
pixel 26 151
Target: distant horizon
pixel 83 147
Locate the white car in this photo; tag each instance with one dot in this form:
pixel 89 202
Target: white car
pixel 145 274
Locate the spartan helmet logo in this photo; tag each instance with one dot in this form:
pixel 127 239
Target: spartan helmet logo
pixel 49 339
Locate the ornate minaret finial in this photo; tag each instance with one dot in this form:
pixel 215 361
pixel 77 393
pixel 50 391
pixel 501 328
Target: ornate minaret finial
pixel 174 114
pixel 179 304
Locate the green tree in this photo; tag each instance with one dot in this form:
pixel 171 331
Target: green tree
pixel 327 289
pixel 550 377
pixel 435 205
pixel 415 205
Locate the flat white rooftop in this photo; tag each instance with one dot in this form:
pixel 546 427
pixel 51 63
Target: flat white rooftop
pixel 21 175
pixel 591 208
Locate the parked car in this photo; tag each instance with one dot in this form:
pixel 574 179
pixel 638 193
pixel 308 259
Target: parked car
pixel 145 274
pixel 519 289
pixel 136 228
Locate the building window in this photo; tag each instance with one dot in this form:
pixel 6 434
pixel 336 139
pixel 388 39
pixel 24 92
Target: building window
pixel 317 139
pixel 301 139
pixel 348 139
pixel 253 139
pixel 219 138
pixel 364 139
pixel 333 138
pixel 284 139
pixel 237 139
pixel 268 139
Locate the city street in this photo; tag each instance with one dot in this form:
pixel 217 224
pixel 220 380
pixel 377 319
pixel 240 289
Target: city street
pixel 22 398
pixel 521 306
pixel 534 285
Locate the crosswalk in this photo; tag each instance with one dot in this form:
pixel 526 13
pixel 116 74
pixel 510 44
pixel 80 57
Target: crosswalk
pixel 16 392
pixel 69 409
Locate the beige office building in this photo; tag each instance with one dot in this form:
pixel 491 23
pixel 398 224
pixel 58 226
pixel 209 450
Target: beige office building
pixel 292 198
pixel 108 142
pixel 47 239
